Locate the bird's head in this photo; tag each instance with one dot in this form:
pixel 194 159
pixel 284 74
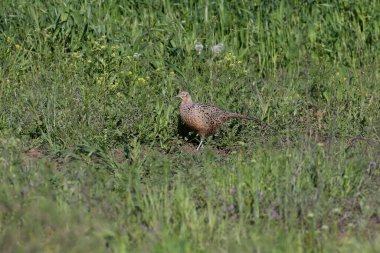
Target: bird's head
pixel 185 96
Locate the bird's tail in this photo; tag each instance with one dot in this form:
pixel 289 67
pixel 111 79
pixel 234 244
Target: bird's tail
pixel 233 115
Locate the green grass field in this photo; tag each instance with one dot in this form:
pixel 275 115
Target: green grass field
pixel 93 157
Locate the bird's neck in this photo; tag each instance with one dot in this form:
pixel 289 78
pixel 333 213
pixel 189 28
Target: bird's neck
pixel 186 102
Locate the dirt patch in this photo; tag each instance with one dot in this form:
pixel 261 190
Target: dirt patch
pixel 35 153
pixel 224 151
pixel 190 148
pixel 32 155
pixel 119 155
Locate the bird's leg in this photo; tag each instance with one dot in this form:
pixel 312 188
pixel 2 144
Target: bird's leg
pixel 203 136
pixel 200 144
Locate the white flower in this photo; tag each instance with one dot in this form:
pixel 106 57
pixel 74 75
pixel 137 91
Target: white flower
pixel 198 48
pixel 217 48
pixel 136 55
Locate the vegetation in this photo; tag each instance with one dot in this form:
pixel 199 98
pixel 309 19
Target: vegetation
pixel 93 157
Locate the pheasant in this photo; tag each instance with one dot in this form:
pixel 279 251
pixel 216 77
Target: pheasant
pixel 205 119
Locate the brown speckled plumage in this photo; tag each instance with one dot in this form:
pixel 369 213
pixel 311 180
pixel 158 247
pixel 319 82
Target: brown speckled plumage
pixel 203 118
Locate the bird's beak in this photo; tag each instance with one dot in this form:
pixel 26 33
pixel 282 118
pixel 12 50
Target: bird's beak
pixel 178 96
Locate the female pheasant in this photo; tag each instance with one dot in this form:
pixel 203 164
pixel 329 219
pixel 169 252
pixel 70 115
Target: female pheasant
pixel 205 119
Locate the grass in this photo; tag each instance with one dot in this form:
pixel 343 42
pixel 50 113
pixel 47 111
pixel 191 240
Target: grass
pixel 93 156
